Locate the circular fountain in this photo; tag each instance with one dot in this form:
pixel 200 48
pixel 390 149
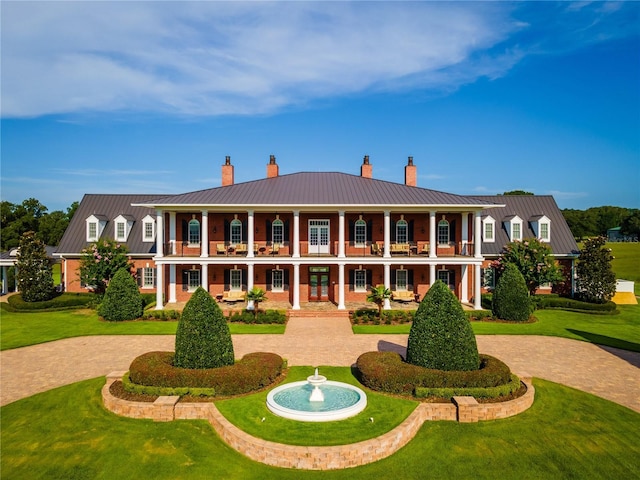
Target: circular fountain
pixel 316 400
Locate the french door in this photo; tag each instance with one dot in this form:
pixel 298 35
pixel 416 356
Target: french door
pixel 318 284
pixel 319 237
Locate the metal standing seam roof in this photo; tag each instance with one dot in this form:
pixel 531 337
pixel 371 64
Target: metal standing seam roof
pixel 109 207
pixel 318 189
pixel 529 208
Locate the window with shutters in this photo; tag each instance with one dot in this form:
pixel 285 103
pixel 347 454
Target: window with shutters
pixel 277 280
pixel 360 233
pixel 235 233
pixel 443 232
pixel 360 280
pixel 277 232
pixel 148 277
pixel 235 280
pixel 402 232
pixel 193 280
pixel 401 280
pixel 194 232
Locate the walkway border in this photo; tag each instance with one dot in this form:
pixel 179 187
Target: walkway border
pixel 463 409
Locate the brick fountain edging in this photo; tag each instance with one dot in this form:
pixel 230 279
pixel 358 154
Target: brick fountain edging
pixel 463 409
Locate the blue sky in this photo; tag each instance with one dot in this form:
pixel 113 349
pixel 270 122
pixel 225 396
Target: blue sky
pixel 149 97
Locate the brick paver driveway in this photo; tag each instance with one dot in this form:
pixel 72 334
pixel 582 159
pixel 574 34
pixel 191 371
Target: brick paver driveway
pixel 604 371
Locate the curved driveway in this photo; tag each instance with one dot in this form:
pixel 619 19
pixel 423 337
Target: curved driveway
pixel 604 371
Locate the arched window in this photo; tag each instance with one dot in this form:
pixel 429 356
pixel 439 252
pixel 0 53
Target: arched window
pixel 194 232
pixel 277 232
pixel 236 232
pixel 443 232
pixel 360 233
pixel 402 232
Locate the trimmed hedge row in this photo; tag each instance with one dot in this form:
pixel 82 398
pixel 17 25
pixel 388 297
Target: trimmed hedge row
pixel 131 387
pixel 368 315
pixel 489 392
pixel 387 372
pixel 161 315
pixel 548 301
pixel 63 301
pixel 253 372
pixel 263 317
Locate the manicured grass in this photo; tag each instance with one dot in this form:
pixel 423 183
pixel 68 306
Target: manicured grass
pixel 626 263
pixel 247 413
pixel 29 328
pixel 66 433
pixel 621 331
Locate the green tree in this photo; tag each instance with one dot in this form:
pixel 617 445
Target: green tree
pixel 100 262
pixel 517 192
pixel 378 295
pixel 581 223
pixel 631 224
pixel 122 300
pixel 52 227
pixel 256 295
pixel 19 219
pixel 441 336
pixel 35 280
pixel 203 339
pixel 511 298
pixel 534 260
pixel 596 281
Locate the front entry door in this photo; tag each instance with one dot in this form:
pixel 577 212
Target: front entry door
pixel 319 236
pixel 318 284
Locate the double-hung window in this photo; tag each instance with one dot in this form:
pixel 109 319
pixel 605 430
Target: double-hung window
pixel 148 231
pixel 360 233
pixel 148 277
pixel 360 280
pixel 92 231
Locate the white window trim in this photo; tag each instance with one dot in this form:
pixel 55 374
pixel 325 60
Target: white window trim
pixel 99 224
pixel 122 221
pixel 273 287
pixel 238 224
pixel 231 287
pixel 405 224
pixel 144 277
pixel 193 288
pixel 441 223
pixel 516 220
pixel 537 228
pixel 488 221
pixel 362 241
pixel 148 220
pixel 194 221
pixel 276 223
pixel 357 288
pixel 406 280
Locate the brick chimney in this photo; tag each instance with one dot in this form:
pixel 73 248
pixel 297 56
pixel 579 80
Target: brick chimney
pixel 410 174
pixel 272 167
pixel 227 172
pixel 366 170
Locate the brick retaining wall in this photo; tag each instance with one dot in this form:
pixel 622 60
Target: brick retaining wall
pixel 463 409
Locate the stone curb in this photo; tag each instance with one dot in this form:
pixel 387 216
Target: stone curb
pixel 463 409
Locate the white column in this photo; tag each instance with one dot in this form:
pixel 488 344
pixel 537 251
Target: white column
pixel 464 285
pixel 341 236
pixel 250 304
pixel 172 232
pixel 465 233
pixel 477 235
pixel 387 284
pixel 432 274
pixel 159 286
pixel 204 244
pixel 296 287
pixel 387 233
pixel 159 234
pixel 433 246
pixel 296 235
pixel 477 294
pixel 172 284
pixel 250 234
pixel 4 280
pixel 204 276
pixel 341 286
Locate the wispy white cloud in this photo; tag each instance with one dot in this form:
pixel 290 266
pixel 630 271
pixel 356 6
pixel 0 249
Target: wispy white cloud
pixel 560 195
pixel 215 58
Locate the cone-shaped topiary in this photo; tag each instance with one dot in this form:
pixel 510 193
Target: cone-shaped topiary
pixel 203 339
pixel 122 300
pixel 441 337
pixel 511 296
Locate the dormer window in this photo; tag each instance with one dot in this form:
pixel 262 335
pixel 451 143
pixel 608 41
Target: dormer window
pixel 488 229
pixel 541 227
pixel 513 225
pixel 95 227
pixel 123 226
pixel 148 229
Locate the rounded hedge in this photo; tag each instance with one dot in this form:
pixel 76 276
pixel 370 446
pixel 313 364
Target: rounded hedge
pixel 511 296
pixel 122 300
pixel 441 337
pixel 387 372
pixel 203 339
pixel 253 372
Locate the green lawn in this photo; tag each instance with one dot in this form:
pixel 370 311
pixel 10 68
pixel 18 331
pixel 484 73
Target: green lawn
pixel 626 263
pixel 21 329
pixel 66 434
pixel 622 330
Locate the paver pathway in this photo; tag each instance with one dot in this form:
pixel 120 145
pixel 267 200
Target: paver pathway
pixel 604 371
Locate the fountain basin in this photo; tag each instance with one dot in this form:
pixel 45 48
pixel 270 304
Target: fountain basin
pixel 292 401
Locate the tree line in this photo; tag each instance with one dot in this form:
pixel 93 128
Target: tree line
pixel 596 221
pixel 32 216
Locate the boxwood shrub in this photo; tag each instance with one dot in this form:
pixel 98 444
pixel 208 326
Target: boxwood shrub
pixel 479 393
pixel 122 300
pixel 131 387
pixel 263 317
pixel 61 302
pixel 387 372
pixel 370 316
pixel 511 296
pixel 253 372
